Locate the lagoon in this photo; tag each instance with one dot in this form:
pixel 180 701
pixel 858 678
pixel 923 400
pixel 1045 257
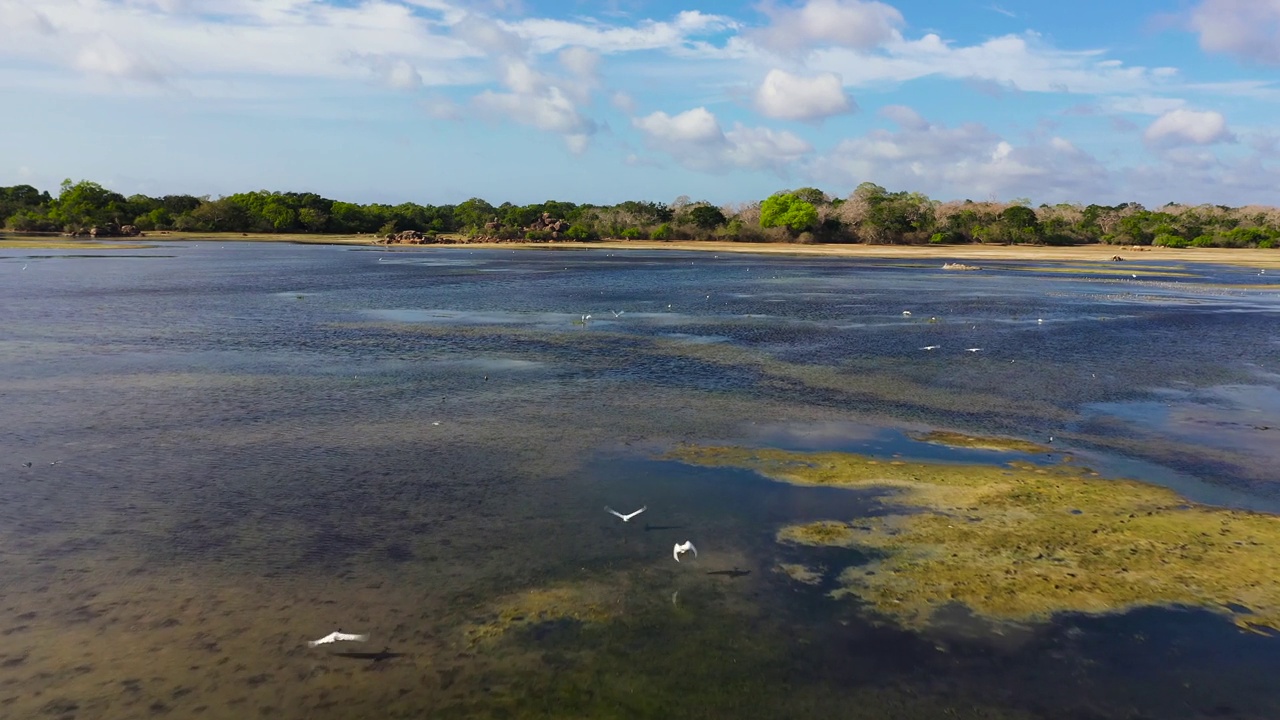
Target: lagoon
pixel 237 447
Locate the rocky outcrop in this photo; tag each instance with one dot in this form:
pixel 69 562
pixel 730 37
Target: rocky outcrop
pixel 409 237
pixel 549 225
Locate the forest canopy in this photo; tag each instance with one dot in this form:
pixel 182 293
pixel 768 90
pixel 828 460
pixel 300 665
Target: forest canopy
pixel 870 214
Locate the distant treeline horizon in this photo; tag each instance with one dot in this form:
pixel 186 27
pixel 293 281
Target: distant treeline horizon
pixel 870 214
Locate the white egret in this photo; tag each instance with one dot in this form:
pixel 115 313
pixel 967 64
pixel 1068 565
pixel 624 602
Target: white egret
pixel 628 516
pixel 684 547
pixel 930 347
pixel 337 636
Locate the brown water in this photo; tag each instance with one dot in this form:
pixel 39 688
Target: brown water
pixel 236 448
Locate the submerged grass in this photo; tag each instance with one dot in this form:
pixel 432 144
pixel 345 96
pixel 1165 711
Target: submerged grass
pixel 978 442
pixel 1022 542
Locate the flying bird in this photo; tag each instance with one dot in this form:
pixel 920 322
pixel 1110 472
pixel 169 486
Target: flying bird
pixel 686 546
pixel 627 517
pixel 972 349
pixel 617 313
pixel 930 347
pixel 337 636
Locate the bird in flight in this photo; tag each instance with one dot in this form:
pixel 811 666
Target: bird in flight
pixel 628 516
pixel 337 636
pixel 683 547
pixel 617 313
pixel 972 349
pixel 930 347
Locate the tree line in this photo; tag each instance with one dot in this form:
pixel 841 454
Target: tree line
pixel 870 214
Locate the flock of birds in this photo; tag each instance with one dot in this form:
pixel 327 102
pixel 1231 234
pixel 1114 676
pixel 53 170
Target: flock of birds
pixel 676 551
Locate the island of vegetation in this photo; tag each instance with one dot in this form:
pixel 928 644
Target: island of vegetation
pixel 870 214
pixel 1020 542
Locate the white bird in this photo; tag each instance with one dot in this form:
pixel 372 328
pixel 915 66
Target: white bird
pixel 337 636
pixel 585 318
pixel 24 267
pixel 617 313
pixel 972 349
pixel 627 517
pixel 1040 320
pixel 930 347
pixel 686 546
pixel 906 313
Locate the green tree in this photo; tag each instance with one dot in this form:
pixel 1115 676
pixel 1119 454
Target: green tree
pixel 86 203
pixel 474 213
pixel 787 210
pixel 707 217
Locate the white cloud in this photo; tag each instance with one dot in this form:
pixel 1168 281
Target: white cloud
pixel 624 102
pixel 691 126
pixel 855 24
pixel 548 35
pixel 580 61
pixel 795 97
pixel 1248 29
pixel 957 162
pixel 695 139
pixel 1142 104
pixel 1023 62
pixel 1188 127
pixel 104 56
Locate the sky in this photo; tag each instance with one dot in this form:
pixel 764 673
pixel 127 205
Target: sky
pixel 437 101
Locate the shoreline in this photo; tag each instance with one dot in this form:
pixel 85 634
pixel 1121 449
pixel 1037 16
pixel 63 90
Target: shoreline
pixel 1246 257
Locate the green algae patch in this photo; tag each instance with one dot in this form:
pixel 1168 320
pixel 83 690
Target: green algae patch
pixel 1020 542
pixel 801 573
pixel 591 603
pixel 978 442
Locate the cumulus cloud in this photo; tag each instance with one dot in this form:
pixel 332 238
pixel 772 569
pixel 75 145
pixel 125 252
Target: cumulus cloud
pixel 1188 127
pixel 795 97
pixel 969 160
pixel 855 24
pixel 539 101
pixel 1247 29
pixel 696 140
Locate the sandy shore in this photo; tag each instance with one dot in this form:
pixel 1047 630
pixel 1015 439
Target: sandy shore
pixel 968 254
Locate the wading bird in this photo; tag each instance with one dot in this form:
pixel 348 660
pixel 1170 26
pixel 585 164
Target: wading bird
pixel 683 547
pixel 627 517
pixel 337 636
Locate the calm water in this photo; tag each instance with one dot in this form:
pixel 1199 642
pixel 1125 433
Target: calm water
pixel 238 447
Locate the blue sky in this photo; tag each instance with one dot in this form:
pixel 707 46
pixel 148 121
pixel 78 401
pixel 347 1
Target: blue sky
pixel 436 101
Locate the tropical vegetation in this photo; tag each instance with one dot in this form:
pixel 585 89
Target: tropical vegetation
pixel 870 214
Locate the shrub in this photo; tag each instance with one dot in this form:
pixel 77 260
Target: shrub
pixel 1203 241
pixel 578 232
pixel 633 234
pixel 663 232
pixel 1267 244
pixel 1172 241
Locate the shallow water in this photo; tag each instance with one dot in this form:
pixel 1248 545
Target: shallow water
pixel 238 447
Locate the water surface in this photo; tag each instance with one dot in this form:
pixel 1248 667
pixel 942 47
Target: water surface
pixel 237 447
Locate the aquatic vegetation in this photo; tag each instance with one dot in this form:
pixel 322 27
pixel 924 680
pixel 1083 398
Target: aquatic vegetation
pixel 1021 542
pixel 801 573
pixel 584 603
pixel 979 442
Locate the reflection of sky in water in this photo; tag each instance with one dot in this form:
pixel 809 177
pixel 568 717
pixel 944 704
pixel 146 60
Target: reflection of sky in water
pixel 221 469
